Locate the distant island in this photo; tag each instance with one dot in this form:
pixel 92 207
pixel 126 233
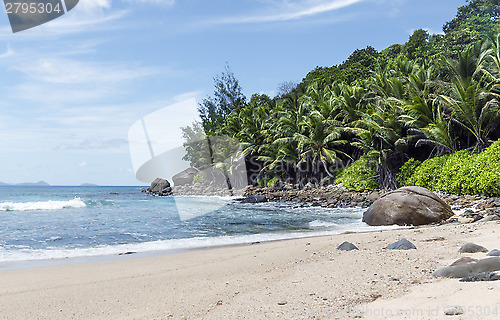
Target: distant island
pixel 88 185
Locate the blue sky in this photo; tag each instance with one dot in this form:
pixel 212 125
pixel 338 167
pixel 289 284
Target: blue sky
pixel 72 88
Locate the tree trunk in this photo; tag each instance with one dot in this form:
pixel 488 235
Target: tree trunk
pixel 386 178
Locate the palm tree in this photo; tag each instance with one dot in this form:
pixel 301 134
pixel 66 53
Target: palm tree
pixel 317 144
pixel 424 112
pixel 472 107
pixel 380 137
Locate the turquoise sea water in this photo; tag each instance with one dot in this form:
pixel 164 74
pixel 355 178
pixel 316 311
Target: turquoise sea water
pixel 40 223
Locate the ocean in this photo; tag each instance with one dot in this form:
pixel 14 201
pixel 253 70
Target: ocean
pixel 54 223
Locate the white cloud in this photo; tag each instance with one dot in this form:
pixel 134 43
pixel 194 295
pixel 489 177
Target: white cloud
pixel 94 5
pixel 66 71
pixel 289 10
pixel 165 3
pixel 82 164
pixel 188 95
pixel 7 53
pixel 94 144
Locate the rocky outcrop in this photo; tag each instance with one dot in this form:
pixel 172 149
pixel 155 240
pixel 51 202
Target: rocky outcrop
pixel 159 187
pixel 184 177
pixel 331 196
pixel 407 206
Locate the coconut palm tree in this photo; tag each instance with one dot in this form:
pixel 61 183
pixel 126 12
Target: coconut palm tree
pixel 472 106
pixel 319 141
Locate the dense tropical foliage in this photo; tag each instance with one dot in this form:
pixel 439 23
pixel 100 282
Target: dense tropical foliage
pixel 432 96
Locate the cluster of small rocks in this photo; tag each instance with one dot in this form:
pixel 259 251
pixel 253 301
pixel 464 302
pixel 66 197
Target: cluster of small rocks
pixel 468 208
pixel 162 187
pixel 331 196
pixel 472 208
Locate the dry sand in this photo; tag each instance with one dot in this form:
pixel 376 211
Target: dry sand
pixel 292 279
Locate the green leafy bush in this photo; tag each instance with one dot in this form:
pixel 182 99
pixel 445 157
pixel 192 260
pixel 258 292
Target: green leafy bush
pixel 360 175
pixel 407 170
pixel 463 172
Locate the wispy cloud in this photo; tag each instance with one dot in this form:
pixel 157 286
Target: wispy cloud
pixel 94 5
pixel 67 71
pixel 7 53
pixel 288 10
pixel 94 144
pixel 164 3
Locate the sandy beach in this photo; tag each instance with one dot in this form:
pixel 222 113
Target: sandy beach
pixel 292 279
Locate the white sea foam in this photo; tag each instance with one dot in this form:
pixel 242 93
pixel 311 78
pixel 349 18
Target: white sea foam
pixel 42 205
pixel 322 224
pixel 174 244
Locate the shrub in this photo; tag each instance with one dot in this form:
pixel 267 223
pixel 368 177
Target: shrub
pixel 360 175
pixel 463 172
pixel 407 170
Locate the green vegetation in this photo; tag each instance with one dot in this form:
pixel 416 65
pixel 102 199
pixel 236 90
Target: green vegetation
pixel 360 175
pixel 431 96
pixel 464 172
pixel 407 171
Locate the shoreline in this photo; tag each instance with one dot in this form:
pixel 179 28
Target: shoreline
pixel 124 255
pixel 298 278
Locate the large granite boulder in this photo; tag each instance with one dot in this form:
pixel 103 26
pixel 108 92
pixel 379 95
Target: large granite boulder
pixel 407 206
pixel 184 177
pixel 160 187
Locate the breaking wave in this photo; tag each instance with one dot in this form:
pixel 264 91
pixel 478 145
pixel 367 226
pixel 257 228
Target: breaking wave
pixel 42 205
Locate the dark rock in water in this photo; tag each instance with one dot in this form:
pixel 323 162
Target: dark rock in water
pixel 469 269
pixel 184 177
pixel 160 187
pixel 485 276
pixel 407 206
pixel 347 246
pixel 472 248
pixel 402 244
pixel 463 260
pixel 494 253
pixel 257 198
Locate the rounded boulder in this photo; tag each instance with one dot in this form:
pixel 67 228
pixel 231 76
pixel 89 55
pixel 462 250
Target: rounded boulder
pixel 407 206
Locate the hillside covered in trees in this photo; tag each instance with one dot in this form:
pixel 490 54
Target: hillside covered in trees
pixel 431 96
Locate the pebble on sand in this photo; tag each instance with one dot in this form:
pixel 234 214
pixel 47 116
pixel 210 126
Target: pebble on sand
pixel 454 311
pixel 402 244
pixel 472 248
pixel 494 253
pixel 347 246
